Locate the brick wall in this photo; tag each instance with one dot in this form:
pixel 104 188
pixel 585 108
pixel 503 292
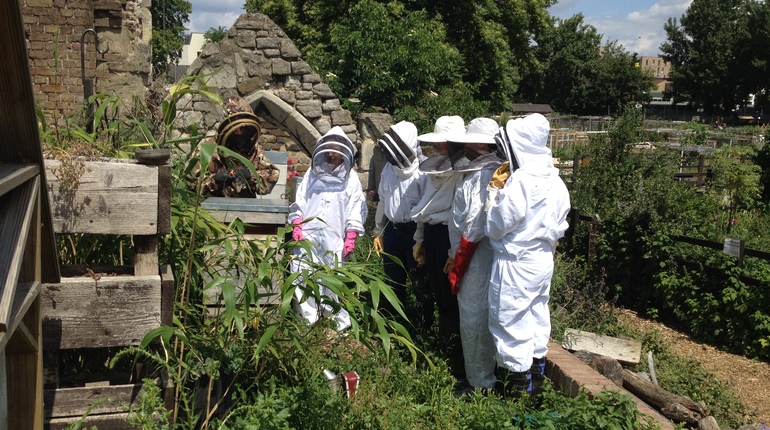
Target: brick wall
pixel 123 28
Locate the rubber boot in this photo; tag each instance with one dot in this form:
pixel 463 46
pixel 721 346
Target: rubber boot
pixel 516 384
pixel 537 375
pixel 511 384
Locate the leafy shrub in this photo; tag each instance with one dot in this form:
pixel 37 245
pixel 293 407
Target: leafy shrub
pixel 578 298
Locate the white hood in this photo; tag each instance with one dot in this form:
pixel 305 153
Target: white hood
pixel 401 147
pixel 528 138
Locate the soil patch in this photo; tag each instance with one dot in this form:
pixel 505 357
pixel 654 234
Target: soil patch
pixel 749 379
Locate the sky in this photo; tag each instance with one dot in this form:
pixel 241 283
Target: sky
pixel 635 24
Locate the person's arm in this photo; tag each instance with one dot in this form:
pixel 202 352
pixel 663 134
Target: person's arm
pixel 471 227
pixel 296 209
pixel 355 209
pixel 267 174
pixel 508 210
pixel 380 220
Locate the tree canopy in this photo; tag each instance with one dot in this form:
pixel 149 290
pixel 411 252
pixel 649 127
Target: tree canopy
pixel 168 25
pixel 718 53
pixel 416 59
pixel 215 34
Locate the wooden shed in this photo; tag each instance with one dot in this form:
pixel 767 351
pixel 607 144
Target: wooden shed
pixel 27 247
pixel 522 109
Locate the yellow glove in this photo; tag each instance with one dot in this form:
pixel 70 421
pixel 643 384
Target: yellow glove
pixel 378 245
pixel 418 252
pixel 500 176
pixel 448 265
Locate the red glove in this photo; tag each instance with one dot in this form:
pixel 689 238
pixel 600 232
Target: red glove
pixel 350 243
pixel 297 233
pixel 461 261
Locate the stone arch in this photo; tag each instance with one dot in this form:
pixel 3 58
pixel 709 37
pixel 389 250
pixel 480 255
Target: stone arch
pixel 259 63
pixel 296 124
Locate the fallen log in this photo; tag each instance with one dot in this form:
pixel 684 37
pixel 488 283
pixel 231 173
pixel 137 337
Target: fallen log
pixel 672 406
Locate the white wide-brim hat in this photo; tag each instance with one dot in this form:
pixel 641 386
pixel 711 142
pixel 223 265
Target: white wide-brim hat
pixel 480 130
pixel 445 126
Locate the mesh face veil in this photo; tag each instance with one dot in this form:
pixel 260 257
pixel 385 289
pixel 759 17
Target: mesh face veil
pixel 396 151
pixel 505 148
pixel 333 156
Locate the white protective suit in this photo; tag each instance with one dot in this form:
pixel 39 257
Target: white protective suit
pixel 435 207
pixel 524 221
pixel 400 189
pixel 332 202
pixel 468 220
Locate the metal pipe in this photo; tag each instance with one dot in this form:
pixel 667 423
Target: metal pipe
pixel 88 85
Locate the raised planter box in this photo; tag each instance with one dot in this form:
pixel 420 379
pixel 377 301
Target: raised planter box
pixel 115 306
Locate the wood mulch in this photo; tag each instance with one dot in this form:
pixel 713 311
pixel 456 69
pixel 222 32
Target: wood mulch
pixel 749 379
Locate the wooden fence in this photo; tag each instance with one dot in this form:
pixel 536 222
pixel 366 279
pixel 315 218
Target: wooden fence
pixel 731 246
pixel 692 169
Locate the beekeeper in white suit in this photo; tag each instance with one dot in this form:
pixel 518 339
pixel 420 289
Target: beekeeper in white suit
pixel 329 210
pixel 527 212
pixel 432 214
pixel 401 188
pixel 470 254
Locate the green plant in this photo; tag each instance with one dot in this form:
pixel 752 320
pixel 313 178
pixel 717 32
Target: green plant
pixel 151 413
pixel 234 327
pixel 577 299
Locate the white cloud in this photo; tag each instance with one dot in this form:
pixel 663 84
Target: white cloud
pixel 637 28
pixel 208 14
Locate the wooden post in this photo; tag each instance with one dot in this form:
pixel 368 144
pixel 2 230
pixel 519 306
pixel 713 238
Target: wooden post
pixel 701 172
pixel 574 219
pixel 146 255
pixel 592 237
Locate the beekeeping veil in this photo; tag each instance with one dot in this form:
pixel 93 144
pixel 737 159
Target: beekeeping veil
pixel 480 130
pixel 444 127
pixel 240 130
pixel 333 155
pixel 524 142
pixel 400 146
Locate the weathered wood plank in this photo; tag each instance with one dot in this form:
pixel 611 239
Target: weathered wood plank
pixel 26 293
pixel 625 351
pixel 110 421
pixel 167 295
pixel 74 402
pixel 145 255
pixel 164 200
pixel 113 311
pixel 13 175
pixel 109 198
pixel 16 213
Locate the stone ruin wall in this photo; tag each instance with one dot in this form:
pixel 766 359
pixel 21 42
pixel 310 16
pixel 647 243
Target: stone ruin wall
pixel 124 29
pixel 259 63
pixel 256 57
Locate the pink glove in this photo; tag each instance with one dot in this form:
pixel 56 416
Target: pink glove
pixel 297 233
pixel 350 243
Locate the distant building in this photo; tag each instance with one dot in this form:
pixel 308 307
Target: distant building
pixel 193 44
pixel 521 109
pixel 660 69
